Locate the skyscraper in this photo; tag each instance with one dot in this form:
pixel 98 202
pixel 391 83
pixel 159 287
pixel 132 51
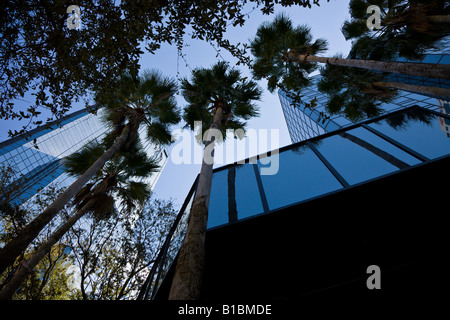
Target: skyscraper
pixel 37 158
pixel 304 123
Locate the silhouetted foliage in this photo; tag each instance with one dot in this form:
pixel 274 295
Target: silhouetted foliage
pixel 38 53
pixel 407 28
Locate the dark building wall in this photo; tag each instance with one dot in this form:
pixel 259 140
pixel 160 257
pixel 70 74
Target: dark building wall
pixel 307 244
pixel 321 249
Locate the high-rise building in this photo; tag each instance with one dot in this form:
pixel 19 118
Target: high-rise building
pixel 346 197
pixel 304 123
pixel 37 158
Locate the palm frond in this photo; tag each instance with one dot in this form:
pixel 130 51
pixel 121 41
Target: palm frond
pixel 138 164
pixel 133 194
pixel 219 85
pixel 351 91
pixel 103 207
pixel 271 43
pixel 159 133
pixel 406 29
pixel 77 163
pixel 133 97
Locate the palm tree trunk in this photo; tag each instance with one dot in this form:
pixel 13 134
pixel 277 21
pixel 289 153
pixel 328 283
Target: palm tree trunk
pixel 428 70
pixel 435 91
pixel 22 273
pixel 187 281
pixel 16 246
pixel 439 19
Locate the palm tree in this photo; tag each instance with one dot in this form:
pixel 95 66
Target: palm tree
pixel 115 181
pixel 419 15
pixel 274 39
pixel 221 99
pixel 409 28
pixel 352 92
pixel 135 100
pixel 358 93
pixel 279 41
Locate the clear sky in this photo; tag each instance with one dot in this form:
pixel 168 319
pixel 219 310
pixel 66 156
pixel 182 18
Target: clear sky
pixel 325 22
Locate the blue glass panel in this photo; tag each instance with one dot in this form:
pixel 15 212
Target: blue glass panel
pixel 399 100
pixel 248 199
pixel 355 161
pixel 422 104
pixel 383 145
pixel 416 96
pixel 301 175
pixel 340 121
pixel 241 181
pixel 388 107
pixel 417 130
pixel 218 202
pixel 7 149
pixel 430 100
pixel 445 59
pixel 431 58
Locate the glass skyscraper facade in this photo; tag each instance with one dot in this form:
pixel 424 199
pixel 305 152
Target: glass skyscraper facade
pixel 304 123
pixel 317 167
pixel 37 158
pixel 332 159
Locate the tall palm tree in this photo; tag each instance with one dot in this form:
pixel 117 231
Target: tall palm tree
pixel 221 99
pixel 408 28
pixel 279 41
pixel 358 93
pixel 271 42
pixel 134 100
pixel 113 182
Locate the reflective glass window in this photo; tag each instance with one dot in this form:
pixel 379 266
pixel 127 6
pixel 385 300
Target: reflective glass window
pixel 418 130
pixel 248 199
pixel 416 96
pixel 445 59
pixel 340 121
pixel 432 58
pixel 353 159
pixel 301 175
pixel 393 154
pixel 218 202
pixel 234 195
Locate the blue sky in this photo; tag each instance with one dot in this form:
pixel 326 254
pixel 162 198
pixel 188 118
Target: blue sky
pixel 325 21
